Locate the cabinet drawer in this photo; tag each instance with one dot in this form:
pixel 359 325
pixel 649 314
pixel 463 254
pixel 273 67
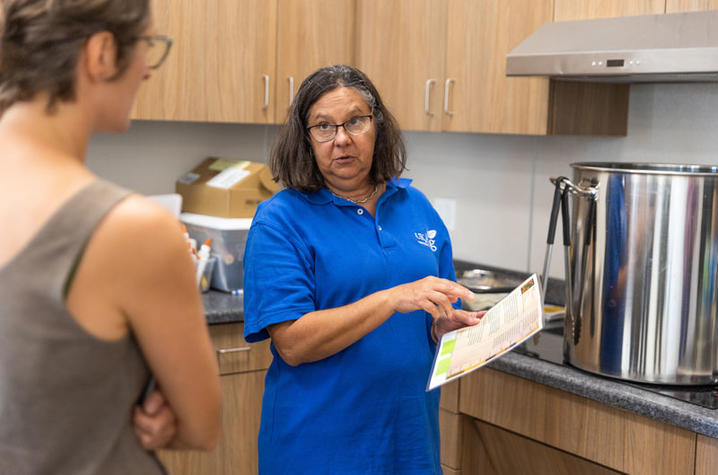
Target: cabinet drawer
pixel 234 354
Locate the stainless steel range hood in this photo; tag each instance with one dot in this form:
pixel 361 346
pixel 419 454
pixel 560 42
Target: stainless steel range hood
pixel 678 47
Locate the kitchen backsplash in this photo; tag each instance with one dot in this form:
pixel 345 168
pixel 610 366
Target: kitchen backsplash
pixel 499 182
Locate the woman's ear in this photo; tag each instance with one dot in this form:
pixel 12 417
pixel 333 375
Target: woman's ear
pixel 101 56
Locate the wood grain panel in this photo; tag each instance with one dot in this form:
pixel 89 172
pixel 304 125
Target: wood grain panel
pixel 566 10
pixel 579 108
pixel 400 46
pixel 491 450
pixel 237 449
pixel 483 99
pixel 618 439
pixel 451 438
pixel 450 471
pixel 706 455
pixel 214 73
pixel 311 34
pixel 450 396
pixel 249 357
pixel 677 6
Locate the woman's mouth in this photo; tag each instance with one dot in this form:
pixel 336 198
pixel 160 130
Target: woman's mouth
pixel 344 159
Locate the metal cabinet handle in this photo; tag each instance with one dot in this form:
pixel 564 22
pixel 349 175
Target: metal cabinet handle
pixel 291 90
pixel 447 85
pixel 266 91
pixel 224 351
pixel 429 82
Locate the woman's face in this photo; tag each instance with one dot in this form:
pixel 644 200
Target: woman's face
pixel 117 116
pixel 344 161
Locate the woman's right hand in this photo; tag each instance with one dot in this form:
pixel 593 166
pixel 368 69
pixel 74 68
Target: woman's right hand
pixel 432 294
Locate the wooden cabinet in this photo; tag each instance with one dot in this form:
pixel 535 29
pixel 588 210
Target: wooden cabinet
pixel 310 34
pixel 586 9
pixel 441 65
pixel 564 423
pixel 401 46
pixel 676 6
pixel 489 450
pixel 242 369
pixel 236 61
pixel 482 98
pixel 221 67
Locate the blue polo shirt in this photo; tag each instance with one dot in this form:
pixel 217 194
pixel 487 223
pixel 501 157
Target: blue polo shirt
pixel 363 410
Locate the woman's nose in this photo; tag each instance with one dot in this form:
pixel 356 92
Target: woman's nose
pixel 342 136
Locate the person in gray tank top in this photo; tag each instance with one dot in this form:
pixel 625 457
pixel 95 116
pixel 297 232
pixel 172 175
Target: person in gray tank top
pixel 96 287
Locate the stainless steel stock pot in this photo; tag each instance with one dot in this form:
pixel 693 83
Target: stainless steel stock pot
pixel 642 285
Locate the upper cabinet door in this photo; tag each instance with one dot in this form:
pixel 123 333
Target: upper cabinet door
pixel 480 97
pixel 221 67
pixel 400 46
pixel 311 34
pixel 677 6
pixel 567 10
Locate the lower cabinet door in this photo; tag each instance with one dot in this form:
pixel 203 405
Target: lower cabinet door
pixel 236 452
pixel 489 450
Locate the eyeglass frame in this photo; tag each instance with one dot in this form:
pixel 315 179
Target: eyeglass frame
pixel 166 40
pixel 343 125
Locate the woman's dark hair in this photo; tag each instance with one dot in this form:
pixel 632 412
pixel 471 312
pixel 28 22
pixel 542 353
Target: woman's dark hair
pixel 292 161
pixel 41 40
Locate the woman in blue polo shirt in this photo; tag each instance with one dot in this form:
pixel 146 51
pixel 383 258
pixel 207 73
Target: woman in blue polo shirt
pixel 349 272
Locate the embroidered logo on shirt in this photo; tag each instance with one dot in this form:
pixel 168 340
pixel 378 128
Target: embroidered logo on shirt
pixel 427 239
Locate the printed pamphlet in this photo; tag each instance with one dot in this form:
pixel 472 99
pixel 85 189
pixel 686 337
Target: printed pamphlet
pixel 515 318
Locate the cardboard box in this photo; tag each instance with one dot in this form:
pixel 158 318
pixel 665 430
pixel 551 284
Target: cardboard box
pixel 226 188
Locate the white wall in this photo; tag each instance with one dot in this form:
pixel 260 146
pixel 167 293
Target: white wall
pixel 500 183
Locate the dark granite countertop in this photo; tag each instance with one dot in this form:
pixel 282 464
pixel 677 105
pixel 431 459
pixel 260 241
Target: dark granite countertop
pixel 221 307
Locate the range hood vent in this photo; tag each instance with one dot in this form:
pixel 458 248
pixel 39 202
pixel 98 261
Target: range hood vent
pixel 677 47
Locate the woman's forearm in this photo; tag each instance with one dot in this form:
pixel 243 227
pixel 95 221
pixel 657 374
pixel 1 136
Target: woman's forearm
pixel 323 333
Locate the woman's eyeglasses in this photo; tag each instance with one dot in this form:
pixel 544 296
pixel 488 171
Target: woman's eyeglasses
pixel 325 132
pixel 158 47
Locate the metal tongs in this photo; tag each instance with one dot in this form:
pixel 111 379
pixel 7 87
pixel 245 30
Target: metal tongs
pixel 560 199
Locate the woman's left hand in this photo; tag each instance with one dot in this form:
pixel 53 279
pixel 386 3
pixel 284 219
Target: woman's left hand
pixel 154 422
pixel 457 319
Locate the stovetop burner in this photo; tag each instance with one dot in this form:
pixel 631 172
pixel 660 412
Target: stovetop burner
pixel 548 346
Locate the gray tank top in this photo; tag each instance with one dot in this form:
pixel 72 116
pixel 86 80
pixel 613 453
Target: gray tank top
pixel 66 397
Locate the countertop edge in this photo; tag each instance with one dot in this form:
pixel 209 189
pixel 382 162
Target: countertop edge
pixel 611 392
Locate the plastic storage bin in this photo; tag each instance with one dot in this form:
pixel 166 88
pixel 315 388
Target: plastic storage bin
pixel 229 236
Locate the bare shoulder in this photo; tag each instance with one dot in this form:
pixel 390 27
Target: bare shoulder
pixel 135 260
pixel 137 213
pixel 143 227
pixel 140 241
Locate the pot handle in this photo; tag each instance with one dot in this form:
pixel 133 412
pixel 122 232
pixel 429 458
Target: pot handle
pixel 590 192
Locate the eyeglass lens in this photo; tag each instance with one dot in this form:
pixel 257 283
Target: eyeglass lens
pixel 354 126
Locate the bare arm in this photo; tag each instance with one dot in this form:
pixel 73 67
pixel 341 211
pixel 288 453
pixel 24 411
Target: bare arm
pixel 138 262
pixel 320 334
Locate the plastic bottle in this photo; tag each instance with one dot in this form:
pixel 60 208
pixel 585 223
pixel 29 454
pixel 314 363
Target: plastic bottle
pixel 203 256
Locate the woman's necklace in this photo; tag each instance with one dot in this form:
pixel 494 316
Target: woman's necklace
pixel 362 200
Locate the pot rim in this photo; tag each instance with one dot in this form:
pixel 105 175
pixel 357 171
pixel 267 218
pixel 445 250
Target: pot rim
pixel 648 168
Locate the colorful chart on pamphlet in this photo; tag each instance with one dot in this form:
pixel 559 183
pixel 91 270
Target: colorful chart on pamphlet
pixel 511 321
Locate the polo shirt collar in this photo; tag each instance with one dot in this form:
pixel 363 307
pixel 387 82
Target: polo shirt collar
pixel 323 196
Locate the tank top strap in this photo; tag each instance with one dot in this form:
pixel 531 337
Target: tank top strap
pixel 56 250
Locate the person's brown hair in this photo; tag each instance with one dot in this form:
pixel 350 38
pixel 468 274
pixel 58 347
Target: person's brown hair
pixel 41 40
pixel 292 162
